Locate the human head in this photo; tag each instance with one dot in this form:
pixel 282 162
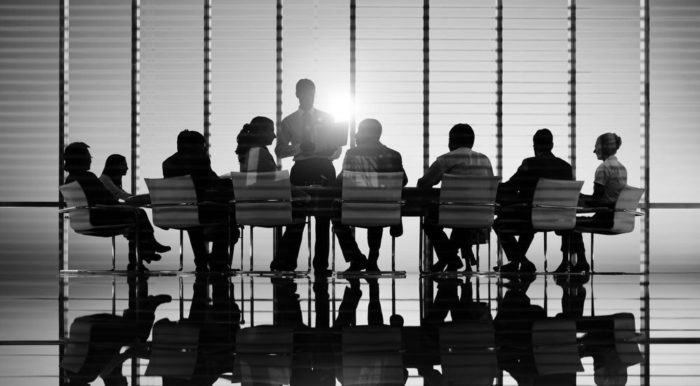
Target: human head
pixel 461 135
pixel 264 128
pixel 606 145
pixel 369 130
pixel 191 142
pixel 542 141
pixel 306 93
pixel 115 165
pixel 76 157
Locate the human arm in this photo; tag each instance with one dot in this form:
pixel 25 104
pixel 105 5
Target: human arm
pixel 116 191
pixel 432 176
pixel 284 146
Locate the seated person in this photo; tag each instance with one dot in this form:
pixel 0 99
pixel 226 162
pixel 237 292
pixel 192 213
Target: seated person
pixel 610 179
pixel 461 159
pixel 253 140
pixel 369 155
pixel 515 196
pixel 192 159
pixel 77 161
pixel 115 168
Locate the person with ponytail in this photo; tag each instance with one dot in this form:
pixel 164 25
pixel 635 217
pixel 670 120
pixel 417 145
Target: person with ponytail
pixel 253 140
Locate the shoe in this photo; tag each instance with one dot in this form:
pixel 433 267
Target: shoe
pixel 202 269
pixel 278 265
pixel 356 266
pixel 454 265
pixel 322 272
pixel 510 267
pixel 438 267
pixel 563 267
pixel 160 248
pixel 526 266
pixel 581 267
pixel 372 267
pixel 132 267
pixel 468 267
pixel 150 257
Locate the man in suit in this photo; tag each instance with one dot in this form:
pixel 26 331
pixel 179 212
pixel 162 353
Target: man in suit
pixel 303 135
pixel 461 159
pixel 514 220
pixel 369 155
pixel 192 159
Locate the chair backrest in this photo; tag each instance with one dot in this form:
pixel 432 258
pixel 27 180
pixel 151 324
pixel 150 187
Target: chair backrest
pixel 371 198
pixel 468 351
pixel 625 334
pixel 467 201
pixel 262 198
pixel 264 354
pixel 174 349
pixel 554 346
pixel 75 198
pixel 372 356
pixel 174 202
pixel 625 207
pixel 554 204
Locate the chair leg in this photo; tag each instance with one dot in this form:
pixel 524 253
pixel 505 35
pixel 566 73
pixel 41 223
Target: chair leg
pixel 181 249
pixel 241 241
pixel 114 253
pixel 308 240
pixel 592 266
pixel 545 252
pixel 252 252
pixel 393 254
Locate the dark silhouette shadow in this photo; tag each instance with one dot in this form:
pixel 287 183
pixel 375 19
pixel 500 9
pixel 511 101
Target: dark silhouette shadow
pixel 95 341
pixel 192 159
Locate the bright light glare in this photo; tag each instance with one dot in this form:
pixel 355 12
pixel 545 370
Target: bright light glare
pixel 340 107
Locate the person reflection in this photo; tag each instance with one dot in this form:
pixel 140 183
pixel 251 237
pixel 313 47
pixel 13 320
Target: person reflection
pixel 215 321
pixel 95 341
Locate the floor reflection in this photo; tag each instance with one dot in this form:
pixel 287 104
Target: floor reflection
pixel 461 330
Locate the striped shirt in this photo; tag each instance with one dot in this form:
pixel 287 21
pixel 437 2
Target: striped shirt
pixel 463 160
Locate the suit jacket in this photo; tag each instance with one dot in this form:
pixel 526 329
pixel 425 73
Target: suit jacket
pixel 520 187
pixel 208 185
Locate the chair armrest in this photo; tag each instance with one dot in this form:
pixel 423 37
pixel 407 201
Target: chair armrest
pixel 557 207
pixel 72 208
pixel 594 209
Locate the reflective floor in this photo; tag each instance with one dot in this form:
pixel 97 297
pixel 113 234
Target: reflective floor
pixel 479 329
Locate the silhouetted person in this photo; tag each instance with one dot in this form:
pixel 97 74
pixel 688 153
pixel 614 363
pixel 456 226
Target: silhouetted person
pixel 95 341
pixel 77 161
pixel 253 140
pixel 610 178
pixel 519 189
pixel 216 320
pixel 303 135
pixel 461 159
pixel 192 159
pixel 369 155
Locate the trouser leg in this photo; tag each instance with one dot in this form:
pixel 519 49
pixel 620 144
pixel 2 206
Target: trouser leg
pixel 374 241
pixel 443 247
pixel 199 247
pixel 346 240
pixel 288 247
pixel 322 245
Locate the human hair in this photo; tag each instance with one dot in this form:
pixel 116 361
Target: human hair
pixel 259 132
pixel 462 135
pixel 543 140
pixel 304 85
pixel 112 164
pixel 369 128
pixel 189 141
pixel 609 143
pixel 76 157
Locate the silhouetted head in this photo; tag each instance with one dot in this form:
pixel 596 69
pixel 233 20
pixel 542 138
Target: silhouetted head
pixel 306 93
pixel 461 135
pixel 542 141
pixel 396 320
pixel 76 157
pixel 369 130
pixel 189 141
pixel 607 145
pixel 115 165
pixel 259 132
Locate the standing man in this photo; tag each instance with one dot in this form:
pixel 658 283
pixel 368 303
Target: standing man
pixel 461 159
pixel 519 189
pixel 304 136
